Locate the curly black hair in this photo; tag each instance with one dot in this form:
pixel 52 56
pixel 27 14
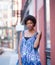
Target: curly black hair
pixel 30 17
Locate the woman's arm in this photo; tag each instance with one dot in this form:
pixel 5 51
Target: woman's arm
pixel 19 55
pixel 37 41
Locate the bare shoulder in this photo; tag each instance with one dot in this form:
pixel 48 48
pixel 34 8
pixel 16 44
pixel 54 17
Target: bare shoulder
pixel 23 32
pixel 26 31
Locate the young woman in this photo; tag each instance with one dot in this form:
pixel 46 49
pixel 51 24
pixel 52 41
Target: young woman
pixel 29 43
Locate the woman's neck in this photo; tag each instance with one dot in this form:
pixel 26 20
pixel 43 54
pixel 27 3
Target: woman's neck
pixel 32 30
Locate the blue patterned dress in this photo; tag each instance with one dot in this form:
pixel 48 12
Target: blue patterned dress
pixel 29 54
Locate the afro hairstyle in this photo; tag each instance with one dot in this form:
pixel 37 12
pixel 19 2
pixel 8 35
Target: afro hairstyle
pixel 30 17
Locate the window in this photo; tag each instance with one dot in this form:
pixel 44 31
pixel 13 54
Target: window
pixel 48 45
pixel 6 37
pixel 48 41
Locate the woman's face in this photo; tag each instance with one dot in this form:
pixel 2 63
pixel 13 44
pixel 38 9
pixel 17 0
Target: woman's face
pixel 29 24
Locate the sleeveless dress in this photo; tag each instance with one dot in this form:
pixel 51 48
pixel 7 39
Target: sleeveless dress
pixel 29 54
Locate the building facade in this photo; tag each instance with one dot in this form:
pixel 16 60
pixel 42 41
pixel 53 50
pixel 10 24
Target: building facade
pixel 5 22
pixel 43 10
pixel 9 18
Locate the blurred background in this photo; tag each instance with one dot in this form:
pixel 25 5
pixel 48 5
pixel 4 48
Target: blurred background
pixel 12 14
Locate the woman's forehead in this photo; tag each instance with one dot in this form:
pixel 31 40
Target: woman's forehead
pixel 29 21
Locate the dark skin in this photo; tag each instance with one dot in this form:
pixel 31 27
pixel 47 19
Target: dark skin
pixel 29 33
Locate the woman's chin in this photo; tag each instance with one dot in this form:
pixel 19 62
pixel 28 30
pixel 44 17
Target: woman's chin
pixel 30 29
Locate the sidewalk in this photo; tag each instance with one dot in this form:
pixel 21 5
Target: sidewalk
pixel 8 58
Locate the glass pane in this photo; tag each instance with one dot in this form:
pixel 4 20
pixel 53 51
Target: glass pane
pixel 48 45
pixel 48 41
pixel 48 62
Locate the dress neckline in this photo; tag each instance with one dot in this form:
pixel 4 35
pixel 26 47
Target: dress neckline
pixel 31 36
pixel 27 38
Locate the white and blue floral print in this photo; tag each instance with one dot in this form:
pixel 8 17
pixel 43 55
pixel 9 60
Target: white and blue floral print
pixel 29 55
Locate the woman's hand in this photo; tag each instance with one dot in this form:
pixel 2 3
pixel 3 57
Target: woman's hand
pixel 37 41
pixel 19 56
pixel 20 63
